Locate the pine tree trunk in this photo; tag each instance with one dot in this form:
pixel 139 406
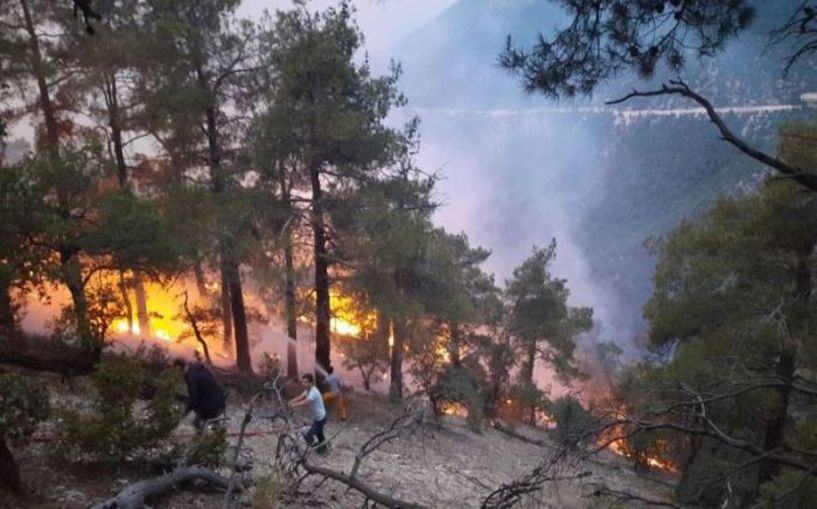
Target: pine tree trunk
pixel 291 311
pixel 141 306
pixel 226 308
pixel 112 102
pixel 322 310
pixel 76 287
pixel 123 289
pixel 7 322
pixel 45 104
pixel 396 385
pixel 786 366
pixel 242 339
pixel 201 287
pixel 454 343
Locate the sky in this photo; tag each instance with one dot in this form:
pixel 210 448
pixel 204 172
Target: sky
pixel 383 22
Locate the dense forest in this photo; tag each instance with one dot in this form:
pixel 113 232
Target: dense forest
pixel 177 181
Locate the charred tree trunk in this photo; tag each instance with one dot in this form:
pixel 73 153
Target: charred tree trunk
pixel 396 385
pixel 786 366
pixel 9 470
pixel 242 339
pixel 322 310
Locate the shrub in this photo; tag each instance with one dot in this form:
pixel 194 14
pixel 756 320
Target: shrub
pixel 114 430
pixel 572 421
pixel 465 385
pixel 23 404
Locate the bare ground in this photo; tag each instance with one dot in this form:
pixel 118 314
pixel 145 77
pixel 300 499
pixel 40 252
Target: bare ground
pixel 448 467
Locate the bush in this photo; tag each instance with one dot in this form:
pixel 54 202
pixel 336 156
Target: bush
pixel 572 421
pixel 23 404
pixel 114 431
pixel 464 385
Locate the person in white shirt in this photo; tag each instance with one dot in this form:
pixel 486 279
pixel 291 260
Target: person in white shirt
pixel 312 396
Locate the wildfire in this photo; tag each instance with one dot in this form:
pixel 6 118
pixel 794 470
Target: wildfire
pixel 347 317
pixel 450 408
pixel 163 306
pixel 620 447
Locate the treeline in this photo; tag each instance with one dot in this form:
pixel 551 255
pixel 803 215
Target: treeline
pixel 729 394
pixel 180 141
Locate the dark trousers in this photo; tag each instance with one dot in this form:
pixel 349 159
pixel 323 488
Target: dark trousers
pixel 316 431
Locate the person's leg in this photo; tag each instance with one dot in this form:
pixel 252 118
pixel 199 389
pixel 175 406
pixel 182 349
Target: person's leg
pixel 310 434
pixel 319 434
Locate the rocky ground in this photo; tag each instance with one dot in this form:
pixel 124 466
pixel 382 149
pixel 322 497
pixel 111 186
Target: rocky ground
pixel 445 466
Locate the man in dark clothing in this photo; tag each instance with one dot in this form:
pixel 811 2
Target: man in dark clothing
pixel 204 396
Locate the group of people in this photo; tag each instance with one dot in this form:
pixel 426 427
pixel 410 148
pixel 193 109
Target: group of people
pixel 207 400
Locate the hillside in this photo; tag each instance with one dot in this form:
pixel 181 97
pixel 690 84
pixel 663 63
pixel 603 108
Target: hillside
pixel 444 465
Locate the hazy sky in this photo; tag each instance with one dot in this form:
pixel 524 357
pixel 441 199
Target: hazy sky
pixel 383 22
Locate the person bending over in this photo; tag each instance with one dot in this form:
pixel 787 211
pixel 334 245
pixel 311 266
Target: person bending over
pixel 204 396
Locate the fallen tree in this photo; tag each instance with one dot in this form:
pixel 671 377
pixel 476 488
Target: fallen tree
pixel 135 495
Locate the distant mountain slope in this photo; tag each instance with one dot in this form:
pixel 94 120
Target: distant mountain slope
pixel 545 169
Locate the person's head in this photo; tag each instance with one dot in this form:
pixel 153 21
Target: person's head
pixel 308 379
pixel 180 363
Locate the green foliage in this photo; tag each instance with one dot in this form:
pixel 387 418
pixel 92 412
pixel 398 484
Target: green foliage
pixel 467 385
pixel 367 353
pixel 790 490
pixel 569 63
pixel 209 448
pixel 115 429
pixel 573 421
pixel 23 404
pixel 541 322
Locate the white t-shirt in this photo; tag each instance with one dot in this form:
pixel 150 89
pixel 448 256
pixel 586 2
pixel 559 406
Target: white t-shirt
pixel 318 410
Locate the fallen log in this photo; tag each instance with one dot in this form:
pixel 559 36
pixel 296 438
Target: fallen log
pixel 68 362
pixel 514 434
pixel 135 495
pixel 356 484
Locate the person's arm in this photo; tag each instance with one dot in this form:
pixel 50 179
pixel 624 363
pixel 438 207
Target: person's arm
pixel 299 400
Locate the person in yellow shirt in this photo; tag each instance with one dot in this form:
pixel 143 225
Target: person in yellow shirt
pixel 335 394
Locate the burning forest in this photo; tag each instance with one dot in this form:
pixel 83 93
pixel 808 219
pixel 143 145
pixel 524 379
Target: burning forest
pixel 225 281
